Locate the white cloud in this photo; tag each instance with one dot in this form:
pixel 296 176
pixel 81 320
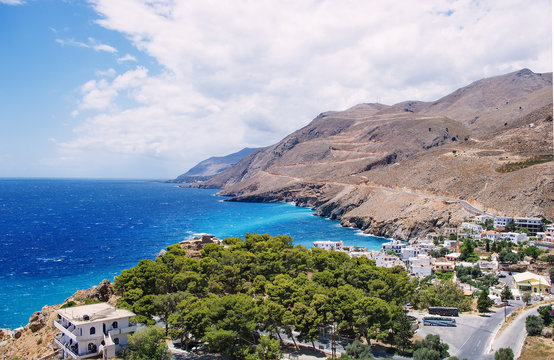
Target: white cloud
pixel 92 44
pixel 127 57
pixel 248 73
pixel 12 2
pixel 104 47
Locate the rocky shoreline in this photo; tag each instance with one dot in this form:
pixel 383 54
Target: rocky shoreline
pixel 35 340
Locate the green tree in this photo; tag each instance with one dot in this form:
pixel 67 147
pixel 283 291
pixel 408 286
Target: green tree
pixel 551 273
pixel 147 344
pixel 431 342
pixel 467 250
pixel 358 350
pixel 544 312
pixel 506 294
pixel 511 226
pixel 504 354
pixel 221 341
pixel 533 252
pixel 403 332
pixel 267 349
pixel 165 305
pixel 534 325
pixel 526 297
pixel 484 302
pixel 427 354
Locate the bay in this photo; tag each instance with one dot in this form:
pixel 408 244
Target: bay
pixel 61 235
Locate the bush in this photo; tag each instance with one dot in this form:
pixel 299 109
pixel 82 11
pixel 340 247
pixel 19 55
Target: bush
pixel 68 304
pixel 534 325
pixel 544 312
pixel 504 354
pixel 430 347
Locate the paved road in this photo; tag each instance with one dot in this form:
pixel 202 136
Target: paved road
pixel 472 336
pixel 514 335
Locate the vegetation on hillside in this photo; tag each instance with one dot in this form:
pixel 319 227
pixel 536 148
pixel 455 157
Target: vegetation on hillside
pixel 263 283
pixel 513 166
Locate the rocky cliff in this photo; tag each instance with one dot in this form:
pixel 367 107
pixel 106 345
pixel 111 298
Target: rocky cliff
pixel 413 167
pixel 208 168
pixel 35 340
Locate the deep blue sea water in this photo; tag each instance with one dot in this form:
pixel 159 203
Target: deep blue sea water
pixel 58 236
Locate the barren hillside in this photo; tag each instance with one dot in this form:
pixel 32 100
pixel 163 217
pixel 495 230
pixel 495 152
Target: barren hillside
pixel 409 168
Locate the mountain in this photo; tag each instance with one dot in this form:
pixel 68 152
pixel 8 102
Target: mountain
pixel 208 168
pixel 413 167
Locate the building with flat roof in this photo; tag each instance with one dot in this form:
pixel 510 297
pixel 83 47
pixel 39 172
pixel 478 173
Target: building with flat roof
pixel 528 281
pixel 92 330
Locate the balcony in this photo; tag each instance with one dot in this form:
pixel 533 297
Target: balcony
pixel 124 330
pixel 71 350
pixel 70 331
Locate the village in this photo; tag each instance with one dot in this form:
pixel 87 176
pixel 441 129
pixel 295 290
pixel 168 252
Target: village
pixel 486 242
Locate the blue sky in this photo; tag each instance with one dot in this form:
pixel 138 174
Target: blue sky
pixel 145 89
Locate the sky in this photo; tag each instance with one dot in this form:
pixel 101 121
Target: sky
pixel 146 89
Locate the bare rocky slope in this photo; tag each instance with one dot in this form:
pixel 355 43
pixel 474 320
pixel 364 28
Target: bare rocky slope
pixel 407 169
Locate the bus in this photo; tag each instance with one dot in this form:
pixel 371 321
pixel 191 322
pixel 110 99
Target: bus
pixel 439 321
pixel 443 311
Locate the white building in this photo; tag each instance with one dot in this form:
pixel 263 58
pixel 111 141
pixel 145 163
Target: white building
pixel 409 252
pixel 388 261
pixel 488 265
pixel 502 221
pixel 516 238
pixel 450 244
pixel 329 245
pixel 546 237
pixel 484 218
pixel 473 227
pixel 491 235
pixel 92 330
pixel 421 265
pixel 394 245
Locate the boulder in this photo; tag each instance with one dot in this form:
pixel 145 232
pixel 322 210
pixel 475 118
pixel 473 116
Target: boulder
pixel 547 332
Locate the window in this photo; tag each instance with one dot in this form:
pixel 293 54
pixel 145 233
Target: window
pixel 114 325
pixel 116 341
pixel 92 330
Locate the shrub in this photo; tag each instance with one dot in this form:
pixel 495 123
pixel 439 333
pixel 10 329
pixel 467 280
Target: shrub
pixel 504 354
pixel 534 325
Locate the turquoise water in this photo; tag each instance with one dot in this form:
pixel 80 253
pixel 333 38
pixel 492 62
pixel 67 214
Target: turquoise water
pixel 58 236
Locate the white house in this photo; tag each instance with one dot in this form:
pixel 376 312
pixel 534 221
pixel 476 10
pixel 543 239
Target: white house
pixel 473 227
pixel 388 261
pixel 421 265
pixel 516 238
pixel 394 245
pixel 450 244
pixel 329 245
pixel 502 221
pixel 92 330
pixel 409 252
pixel 491 235
pixel 483 218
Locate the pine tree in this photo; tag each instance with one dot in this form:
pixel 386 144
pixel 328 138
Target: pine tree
pixel 484 303
pixel 403 332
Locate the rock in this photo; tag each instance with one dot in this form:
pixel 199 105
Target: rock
pixel 39 319
pixel 17 334
pixel 547 332
pixel 101 292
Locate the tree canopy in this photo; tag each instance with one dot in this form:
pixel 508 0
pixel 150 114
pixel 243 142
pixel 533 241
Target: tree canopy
pixel 263 283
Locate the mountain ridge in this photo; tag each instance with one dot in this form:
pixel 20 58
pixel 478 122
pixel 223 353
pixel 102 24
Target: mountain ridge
pixel 350 164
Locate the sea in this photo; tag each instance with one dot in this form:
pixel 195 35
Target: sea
pixel 61 235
